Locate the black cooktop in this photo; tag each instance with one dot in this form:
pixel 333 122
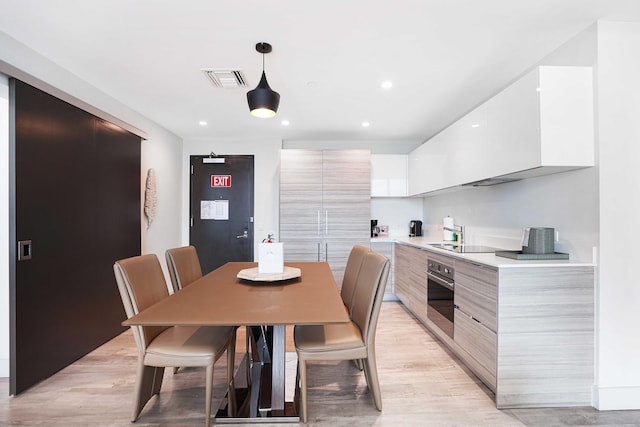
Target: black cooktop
pixel 466 249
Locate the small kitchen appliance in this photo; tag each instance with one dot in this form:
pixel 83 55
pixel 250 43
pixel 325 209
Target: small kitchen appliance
pixel 375 230
pixel 537 243
pixel 538 240
pixel 415 228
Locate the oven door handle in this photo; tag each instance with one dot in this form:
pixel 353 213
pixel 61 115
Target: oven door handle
pixel 439 280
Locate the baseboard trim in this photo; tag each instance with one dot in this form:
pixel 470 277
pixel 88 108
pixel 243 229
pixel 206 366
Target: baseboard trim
pixel 616 398
pixel 4 368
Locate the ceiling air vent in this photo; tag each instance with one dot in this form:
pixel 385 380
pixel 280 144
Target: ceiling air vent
pixel 225 78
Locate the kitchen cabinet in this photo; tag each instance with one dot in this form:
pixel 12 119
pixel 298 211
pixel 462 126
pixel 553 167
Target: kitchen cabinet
pixel 545 351
pixel 526 329
pixel 386 249
pixel 325 205
pixel 411 279
pixel 541 124
pixel 476 292
pixel 475 318
pixel 389 175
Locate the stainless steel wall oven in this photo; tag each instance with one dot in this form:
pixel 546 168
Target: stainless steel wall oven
pixel 440 291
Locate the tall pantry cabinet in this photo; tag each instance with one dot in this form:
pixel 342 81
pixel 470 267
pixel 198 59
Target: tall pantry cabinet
pixel 325 205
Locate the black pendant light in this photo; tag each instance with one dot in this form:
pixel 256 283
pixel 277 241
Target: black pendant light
pixel 263 102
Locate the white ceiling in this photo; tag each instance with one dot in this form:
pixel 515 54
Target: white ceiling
pixel 329 57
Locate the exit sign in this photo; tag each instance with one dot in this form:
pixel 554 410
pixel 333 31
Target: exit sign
pixel 221 180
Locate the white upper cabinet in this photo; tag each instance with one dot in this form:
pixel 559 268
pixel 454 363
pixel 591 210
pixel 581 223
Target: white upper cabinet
pixel 388 175
pixel 541 124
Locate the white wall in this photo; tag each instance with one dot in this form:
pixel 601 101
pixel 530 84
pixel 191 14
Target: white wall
pixel 396 212
pixel 162 151
pixel 619 152
pixel 267 181
pixel 495 215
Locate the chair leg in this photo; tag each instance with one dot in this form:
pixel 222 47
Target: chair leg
pixel 296 387
pixel 302 367
pixel 231 358
pixel 358 363
pixel 371 374
pixel 208 395
pixel 157 379
pixel 148 383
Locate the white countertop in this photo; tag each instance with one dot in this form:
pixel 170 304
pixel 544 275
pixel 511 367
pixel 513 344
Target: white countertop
pixel 425 242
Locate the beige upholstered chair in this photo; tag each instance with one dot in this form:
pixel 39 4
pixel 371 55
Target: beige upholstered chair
pixel 142 284
pixel 184 266
pixel 348 341
pixel 354 262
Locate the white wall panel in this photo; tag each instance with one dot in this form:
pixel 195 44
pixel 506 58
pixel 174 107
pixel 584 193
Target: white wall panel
pixel 4 230
pixel 619 154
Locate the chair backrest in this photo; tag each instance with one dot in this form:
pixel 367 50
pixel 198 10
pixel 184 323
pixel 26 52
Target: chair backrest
pixel 369 294
pixel 141 284
pixel 184 266
pixel 354 262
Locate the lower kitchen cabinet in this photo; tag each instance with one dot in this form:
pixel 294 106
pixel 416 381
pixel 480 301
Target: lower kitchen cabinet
pixel 411 279
pixel 527 331
pixel 546 337
pixel 475 318
pixel 386 249
pixel 479 345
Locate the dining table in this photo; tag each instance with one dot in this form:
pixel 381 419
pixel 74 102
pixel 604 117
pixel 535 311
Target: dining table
pixel 221 298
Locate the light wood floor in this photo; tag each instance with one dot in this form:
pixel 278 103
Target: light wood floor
pixel 422 385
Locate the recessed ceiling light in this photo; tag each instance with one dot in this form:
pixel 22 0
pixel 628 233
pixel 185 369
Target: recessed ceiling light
pixel 475 125
pixel 203 123
pixel 366 124
pixel 386 84
pixel 286 123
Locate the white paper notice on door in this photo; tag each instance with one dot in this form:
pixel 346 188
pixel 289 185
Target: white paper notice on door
pixel 214 209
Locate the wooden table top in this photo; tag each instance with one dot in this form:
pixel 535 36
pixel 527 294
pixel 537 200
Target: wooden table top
pixel 220 298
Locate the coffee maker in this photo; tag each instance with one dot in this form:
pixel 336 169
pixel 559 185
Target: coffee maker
pixel 415 228
pixel 375 230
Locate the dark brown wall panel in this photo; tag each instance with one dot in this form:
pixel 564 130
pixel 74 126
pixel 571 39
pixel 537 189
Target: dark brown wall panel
pixel 76 183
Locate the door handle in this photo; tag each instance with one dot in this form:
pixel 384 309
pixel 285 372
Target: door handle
pixel 326 223
pixel 24 250
pixel 243 236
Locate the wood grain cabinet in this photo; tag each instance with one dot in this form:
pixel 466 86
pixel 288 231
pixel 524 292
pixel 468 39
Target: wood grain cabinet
pixel 475 318
pixel 527 331
pixel 411 279
pixel 545 352
pixel 325 205
pixel 386 249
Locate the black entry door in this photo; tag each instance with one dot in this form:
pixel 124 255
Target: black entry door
pixel 221 209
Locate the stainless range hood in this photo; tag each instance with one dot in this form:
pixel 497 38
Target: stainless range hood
pixel 490 181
